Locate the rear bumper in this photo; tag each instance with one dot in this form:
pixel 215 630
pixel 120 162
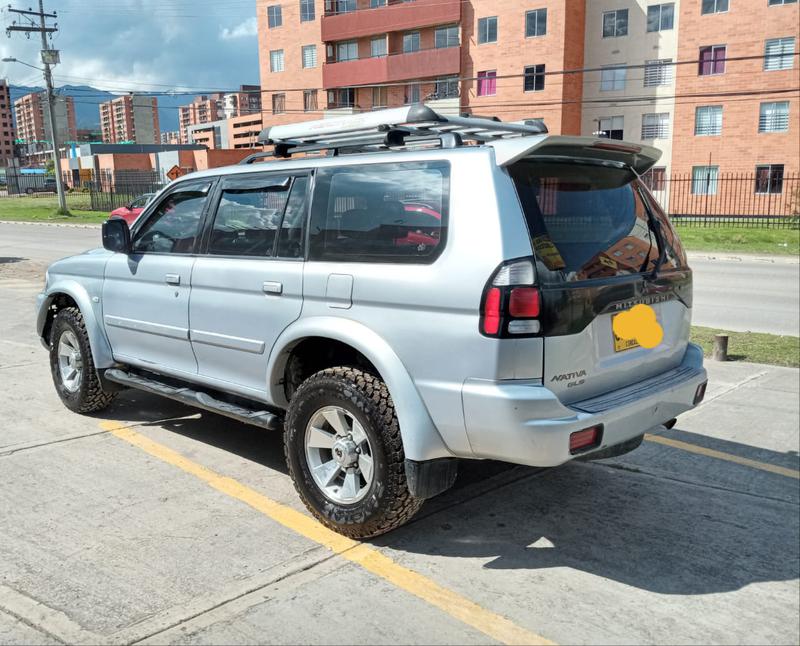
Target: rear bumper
pixel 525 423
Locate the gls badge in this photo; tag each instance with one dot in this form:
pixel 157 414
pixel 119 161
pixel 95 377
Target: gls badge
pixel 567 376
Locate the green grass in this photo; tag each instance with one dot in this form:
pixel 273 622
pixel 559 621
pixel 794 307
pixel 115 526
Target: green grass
pixel 45 209
pixel 752 346
pixel 738 240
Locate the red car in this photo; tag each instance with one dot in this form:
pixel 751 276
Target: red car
pixel 131 211
pixel 423 228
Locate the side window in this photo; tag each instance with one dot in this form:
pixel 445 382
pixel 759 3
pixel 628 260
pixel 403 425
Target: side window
pixel 249 216
pixel 290 240
pixel 381 213
pixel 174 225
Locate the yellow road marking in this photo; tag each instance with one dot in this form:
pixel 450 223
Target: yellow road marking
pixel 489 623
pixel 693 448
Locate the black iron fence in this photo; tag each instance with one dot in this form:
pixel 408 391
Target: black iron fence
pixel 111 190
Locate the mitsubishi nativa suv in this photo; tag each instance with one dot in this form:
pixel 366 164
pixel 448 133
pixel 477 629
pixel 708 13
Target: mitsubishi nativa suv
pixel 396 291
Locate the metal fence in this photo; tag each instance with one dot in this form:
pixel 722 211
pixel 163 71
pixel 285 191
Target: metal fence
pixel 111 190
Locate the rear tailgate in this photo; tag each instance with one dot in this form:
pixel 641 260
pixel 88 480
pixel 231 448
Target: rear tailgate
pixel 592 229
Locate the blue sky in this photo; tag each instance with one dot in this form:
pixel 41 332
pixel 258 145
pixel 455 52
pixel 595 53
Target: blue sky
pixel 128 45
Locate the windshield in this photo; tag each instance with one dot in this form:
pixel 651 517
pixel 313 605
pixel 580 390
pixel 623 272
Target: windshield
pixel 586 221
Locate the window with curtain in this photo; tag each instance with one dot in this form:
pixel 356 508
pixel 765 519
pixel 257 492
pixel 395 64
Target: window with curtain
pixel 410 42
pixel 708 120
pixel 446 37
pixel 612 127
pixel 704 180
pixel 615 23
pixel 779 54
pixel 774 117
pixel 276 60
pixel 712 60
pixel 660 17
pixel 347 51
pixel 658 72
pixel 309 100
pixel 655 125
pixel 769 179
pixel 309 56
pixel 487 83
pixel 377 46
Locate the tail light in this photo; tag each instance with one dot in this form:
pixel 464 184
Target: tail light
pixel 511 302
pixel 588 438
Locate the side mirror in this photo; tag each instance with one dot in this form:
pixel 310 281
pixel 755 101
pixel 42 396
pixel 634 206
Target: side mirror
pixel 117 235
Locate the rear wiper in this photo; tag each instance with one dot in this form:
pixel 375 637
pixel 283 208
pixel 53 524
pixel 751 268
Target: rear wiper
pixel 655 227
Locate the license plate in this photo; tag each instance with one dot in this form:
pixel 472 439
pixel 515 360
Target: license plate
pixel 620 345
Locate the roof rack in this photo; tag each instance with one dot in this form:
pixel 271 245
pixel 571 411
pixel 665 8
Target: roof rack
pixel 390 129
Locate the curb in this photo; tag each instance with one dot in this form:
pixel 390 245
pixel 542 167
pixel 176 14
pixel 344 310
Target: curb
pixel 65 225
pixel 743 257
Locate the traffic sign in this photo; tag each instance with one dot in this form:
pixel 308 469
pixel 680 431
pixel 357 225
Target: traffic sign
pixel 175 172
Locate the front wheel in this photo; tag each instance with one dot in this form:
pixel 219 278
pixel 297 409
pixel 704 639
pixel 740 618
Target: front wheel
pixel 345 455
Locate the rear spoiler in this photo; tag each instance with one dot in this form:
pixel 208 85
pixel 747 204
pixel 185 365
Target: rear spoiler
pixel 639 157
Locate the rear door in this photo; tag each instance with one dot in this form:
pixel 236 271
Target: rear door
pixel 593 229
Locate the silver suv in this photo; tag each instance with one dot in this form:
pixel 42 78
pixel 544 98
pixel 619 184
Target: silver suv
pixel 431 289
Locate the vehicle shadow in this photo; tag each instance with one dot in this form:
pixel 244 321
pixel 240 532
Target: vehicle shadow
pixel 10 260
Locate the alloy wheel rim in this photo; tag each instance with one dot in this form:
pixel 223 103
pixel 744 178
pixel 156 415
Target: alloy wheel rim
pixel 70 362
pixel 339 455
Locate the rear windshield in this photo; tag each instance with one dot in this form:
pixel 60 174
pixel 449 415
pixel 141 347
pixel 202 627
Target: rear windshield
pixel 588 221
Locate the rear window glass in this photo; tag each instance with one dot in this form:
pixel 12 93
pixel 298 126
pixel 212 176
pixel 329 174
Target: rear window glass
pixel 381 212
pixel 585 221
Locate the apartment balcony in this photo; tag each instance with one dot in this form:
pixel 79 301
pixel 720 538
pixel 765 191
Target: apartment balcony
pixel 392 17
pixel 428 63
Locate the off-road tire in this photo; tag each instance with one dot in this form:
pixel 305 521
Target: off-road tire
pixel 388 504
pixel 90 397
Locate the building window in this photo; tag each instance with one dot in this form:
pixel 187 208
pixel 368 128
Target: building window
pixel 615 23
pixel 769 179
pixel 446 88
pixel 658 72
pixel 779 54
pixel 412 93
pixel 774 117
pixel 612 78
pixel 714 6
pixel 374 4
pixel 309 100
pixel 533 79
pixel 377 46
pixel 309 56
pixel 777 2
pixel 307 12
pixel 708 120
pixel 274 17
pixel 410 42
pixel 278 103
pixel 611 127
pixel 347 51
pixel 712 60
pixel 655 125
pixel 446 37
pixel 380 97
pixel 340 6
pixel 656 178
pixel 487 83
pixel 704 180
pixel 535 23
pixel 344 97
pixel 660 17
pixel 487 30
pixel 276 60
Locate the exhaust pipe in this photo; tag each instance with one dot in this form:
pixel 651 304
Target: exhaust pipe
pixel 668 425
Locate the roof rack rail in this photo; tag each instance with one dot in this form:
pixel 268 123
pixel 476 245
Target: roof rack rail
pixel 388 130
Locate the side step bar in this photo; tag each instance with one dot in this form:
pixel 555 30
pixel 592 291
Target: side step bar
pixel 195 398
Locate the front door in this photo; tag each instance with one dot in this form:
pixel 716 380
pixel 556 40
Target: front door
pixel 146 293
pixel 247 286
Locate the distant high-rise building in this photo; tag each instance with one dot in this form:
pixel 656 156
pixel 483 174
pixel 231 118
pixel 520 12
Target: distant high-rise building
pixel 130 118
pixel 219 106
pixel 7 132
pixel 33 126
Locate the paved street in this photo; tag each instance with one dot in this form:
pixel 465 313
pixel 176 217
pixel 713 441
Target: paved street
pixel 155 523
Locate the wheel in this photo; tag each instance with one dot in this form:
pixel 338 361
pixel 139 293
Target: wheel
pixel 72 364
pixel 29 191
pixel 345 455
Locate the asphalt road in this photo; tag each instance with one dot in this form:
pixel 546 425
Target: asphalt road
pixel 153 523
pixel 737 293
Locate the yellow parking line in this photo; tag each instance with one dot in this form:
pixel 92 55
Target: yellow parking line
pixel 693 448
pixel 489 623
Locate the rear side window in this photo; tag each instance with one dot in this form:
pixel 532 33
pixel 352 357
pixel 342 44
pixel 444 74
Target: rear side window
pixel 381 213
pixel 585 221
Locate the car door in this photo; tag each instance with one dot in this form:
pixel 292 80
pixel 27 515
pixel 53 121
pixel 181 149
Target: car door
pixel 247 285
pixel 146 293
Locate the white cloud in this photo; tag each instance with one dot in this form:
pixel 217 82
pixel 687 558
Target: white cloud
pixel 247 29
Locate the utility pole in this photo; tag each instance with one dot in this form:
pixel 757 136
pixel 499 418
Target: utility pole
pixel 49 57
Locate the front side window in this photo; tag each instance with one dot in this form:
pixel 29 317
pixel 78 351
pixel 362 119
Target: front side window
pixel 655 125
pixel 611 127
pixel 615 23
pixel 276 60
pixel 660 17
pixel 347 51
pixel 713 6
pixel 704 180
pixel 535 23
pixel 533 79
pixel 309 56
pixel 174 226
pixel 487 30
pixel 774 117
pixel 377 46
pixel 658 72
pixel 394 213
pixel 411 42
pixel 769 179
pixel 712 60
pixel 307 12
pixel 274 17
pixel 779 54
pixel 446 37
pixel 612 78
pixel 708 120
pixel 487 83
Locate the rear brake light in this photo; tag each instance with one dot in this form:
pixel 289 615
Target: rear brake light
pixel 491 312
pixel 602 145
pixel 511 303
pixel 586 439
pixel 524 302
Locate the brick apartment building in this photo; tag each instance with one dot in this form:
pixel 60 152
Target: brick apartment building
pixel 643 70
pixel 130 118
pixel 207 109
pixel 33 127
pixel 7 131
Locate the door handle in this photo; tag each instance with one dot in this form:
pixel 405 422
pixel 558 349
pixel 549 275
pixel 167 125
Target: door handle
pixel 273 288
pixel 172 279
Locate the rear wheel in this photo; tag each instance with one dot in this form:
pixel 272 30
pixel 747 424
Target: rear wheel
pixel 29 191
pixel 345 455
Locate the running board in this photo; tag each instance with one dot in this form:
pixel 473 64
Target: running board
pixel 195 398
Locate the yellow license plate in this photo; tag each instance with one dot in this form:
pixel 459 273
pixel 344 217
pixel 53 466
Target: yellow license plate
pixel 620 345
